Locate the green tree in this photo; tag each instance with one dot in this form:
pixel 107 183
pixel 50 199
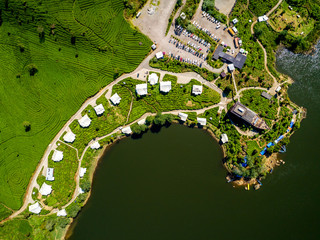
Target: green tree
pixel 27 126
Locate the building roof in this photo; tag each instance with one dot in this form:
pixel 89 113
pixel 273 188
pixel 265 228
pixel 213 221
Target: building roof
pixel 159 55
pixel 234 21
pixel 154 46
pixel 231 67
pixel 196 89
pixel 153 78
pixel 95 145
pixel 49 175
pixel 224 138
pixel 99 109
pixel 85 121
pixel 126 130
pixel 183 116
pixel 239 60
pixel 142 89
pixel 35 208
pixel 202 121
pixel 80 190
pixel 142 122
pixel 69 137
pixel 226 57
pixel 278 89
pixel 45 189
pixel 248 116
pixel 266 95
pixel 263 18
pixel 115 99
pixel 57 156
pixel 62 213
pixel 235 29
pixel 223 74
pixel 82 172
pixel 217 52
pixel 165 86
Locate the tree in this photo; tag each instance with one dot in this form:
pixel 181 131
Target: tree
pixel 191 28
pixel 85 185
pixel 32 69
pixel 73 210
pixel 27 126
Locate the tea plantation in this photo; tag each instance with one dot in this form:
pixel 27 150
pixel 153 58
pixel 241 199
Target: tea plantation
pixel 54 55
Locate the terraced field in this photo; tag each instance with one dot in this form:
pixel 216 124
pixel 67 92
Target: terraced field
pixel 54 55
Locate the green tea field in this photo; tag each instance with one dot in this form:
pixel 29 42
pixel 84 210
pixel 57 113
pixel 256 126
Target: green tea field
pixel 53 55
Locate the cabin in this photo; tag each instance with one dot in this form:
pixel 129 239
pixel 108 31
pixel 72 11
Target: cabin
pixel 57 156
pixel 235 30
pixel 266 95
pixel 82 172
pixel 202 121
pixel 159 55
pixel 237 61
pixel 115 99
pixel 234 21
pixel 231 67
pixel 154 46
pixel 142 89
pixel 69 137
pixel 196 89
pixel 165 86
pixel 183 116
pixel 49 175
pixel 62 213
pixel 45 189
pixel 263 18
pixel 35 208
pixel 127 130
pixel 242 112
pixel 85 121
pixel 95 145
pixel 224 138
pixel 153 79
pixel 223 74
pixel 99 109
pixel 142 122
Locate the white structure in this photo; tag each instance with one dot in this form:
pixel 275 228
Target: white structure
pixel 45 189
pixel 115 99
pixel 196 89
pixel 62 213
pixel 278 89
pixel 69 137
pixel 82 172
pixel 154 47
pixel 231 67
pixel 153 79
pixel 142 122
pixel 80 190
pixel 49 175
pixel 99 109
pixel 202 121
pixel 183 116
pixel 85 121
pixel 35 208
pixel 95 145
pixel 57 156
pixel 263 18
pixel 235 30
pixel 165 86
pixel 159 55
pixel 126 130
pixel 142 89
pixel 224 138
pixel 234 21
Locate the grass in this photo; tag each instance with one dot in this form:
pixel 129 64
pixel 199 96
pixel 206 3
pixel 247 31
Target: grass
pixel 64 183
pixel 212 116
pixel 4 212
pixel 260 8
pixel 16 229
pixel 91 45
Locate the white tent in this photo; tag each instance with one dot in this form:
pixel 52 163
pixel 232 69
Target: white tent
pixel 142 89
pixel 69 137
pixel 263 18
pixel 80 190
pixel 142 121
pixel 234 21
pixel 183 116
pixel 224 138
pixel 62 213
pixel 35 208
pixel 82 172
pixel 278 89
pixel 196 89
pixel 235 29
pixel 126 130
pixel 202 121
pixel 45 189
pixel 57 156
pixel 153 79
pixel 85 121
pixel 159 55
pixel 231 67
pixel 165 86
pixel 49 175
pixel 99 109
pixel 115 99
pixel 95 145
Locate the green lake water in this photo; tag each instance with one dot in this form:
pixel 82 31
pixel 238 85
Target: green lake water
pixel 171 185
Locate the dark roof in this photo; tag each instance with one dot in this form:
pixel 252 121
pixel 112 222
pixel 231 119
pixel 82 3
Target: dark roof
pixel 216 53
pixel 239 60
pixel 248 116
pixel 226 57
pixel 223 74
pixel 266 95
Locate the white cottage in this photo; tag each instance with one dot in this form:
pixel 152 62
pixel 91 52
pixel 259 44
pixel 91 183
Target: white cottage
pixel 49 175
pixel 69 137
pixel 95 145
pixel 183 116
pixel 224 138
pixel 82 172
pixel 153 78
pixel 159 55
pixel 57 156
pixel 85 121
pixel 115 99
pixel 202 121
pixel 231 67
pixel 99 109
pixel 35 208
pixel 142 89
pixel 45 189
pixel 62 213
pixel 165 86
pixel 127 130
pixel 196 89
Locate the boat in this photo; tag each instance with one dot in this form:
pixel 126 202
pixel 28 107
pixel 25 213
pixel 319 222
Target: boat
pixel 283 149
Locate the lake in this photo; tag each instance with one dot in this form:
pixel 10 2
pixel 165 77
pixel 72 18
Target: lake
pixel 171 184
